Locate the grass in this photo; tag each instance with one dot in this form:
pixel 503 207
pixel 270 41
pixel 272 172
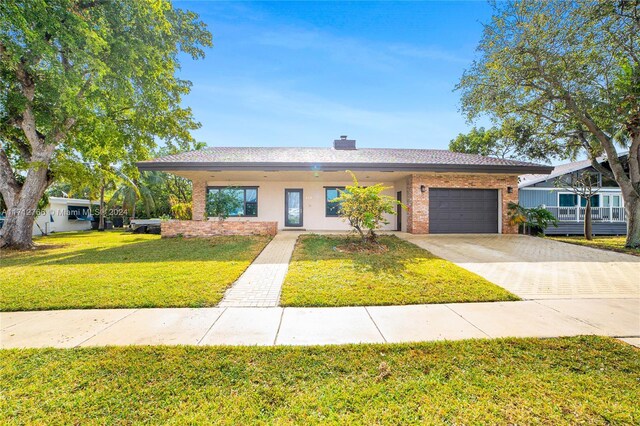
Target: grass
pixel 580 380
pixel 122 270
pixel 601 242
pixel 406 274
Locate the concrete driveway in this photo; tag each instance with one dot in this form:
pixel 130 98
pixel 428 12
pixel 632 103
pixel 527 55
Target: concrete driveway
pixel 537 268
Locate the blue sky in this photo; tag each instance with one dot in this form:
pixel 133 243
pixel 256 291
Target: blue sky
pixel 301 74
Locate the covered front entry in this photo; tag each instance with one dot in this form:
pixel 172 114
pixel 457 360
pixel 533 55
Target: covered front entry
pixel 463 211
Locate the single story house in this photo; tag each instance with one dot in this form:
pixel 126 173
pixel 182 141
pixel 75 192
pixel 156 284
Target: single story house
pixel 546 190
pixel 64 214
pixel 292 188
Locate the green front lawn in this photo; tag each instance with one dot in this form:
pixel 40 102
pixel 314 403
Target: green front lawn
pixel 319 275
pixel 601 242
pixel 582 380
pixel 117 269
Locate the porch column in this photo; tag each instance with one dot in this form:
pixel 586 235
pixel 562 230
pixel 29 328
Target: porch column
pixel 198 199
pixel 418 207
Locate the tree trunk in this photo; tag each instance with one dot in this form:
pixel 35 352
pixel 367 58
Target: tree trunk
pixel 17 231
pixel 101 224
pixel 632 210
pixel 588 226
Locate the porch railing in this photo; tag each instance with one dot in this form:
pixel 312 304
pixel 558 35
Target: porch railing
pixel 598 214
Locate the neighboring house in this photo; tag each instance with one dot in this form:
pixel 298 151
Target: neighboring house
pixel 64 214
pixel 607 213
pixel 446 192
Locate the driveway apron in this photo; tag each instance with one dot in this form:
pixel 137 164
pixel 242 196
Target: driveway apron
pixel 538 268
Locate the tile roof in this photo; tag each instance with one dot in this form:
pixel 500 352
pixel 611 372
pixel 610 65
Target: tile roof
pixel 225 157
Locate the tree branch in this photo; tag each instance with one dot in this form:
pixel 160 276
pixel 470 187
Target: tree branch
pixel 90 4
pixel 61 133
pixel 593 157
pixel 606 142
pixel 23 148
pixel 634 161
pixel 84 87
pixel 9 186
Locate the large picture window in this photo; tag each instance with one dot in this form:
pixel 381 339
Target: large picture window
pixel 248 196
pixel 332 208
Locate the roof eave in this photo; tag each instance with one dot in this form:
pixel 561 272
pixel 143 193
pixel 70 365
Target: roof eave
pixel 328 167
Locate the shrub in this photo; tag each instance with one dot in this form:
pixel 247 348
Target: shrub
pixel 364 208
pixel 534 220
pixel 181 211
pixel 223 203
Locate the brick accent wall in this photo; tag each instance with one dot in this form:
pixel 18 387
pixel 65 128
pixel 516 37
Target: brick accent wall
pixel 418 202
pixel 210 228
pixel 198 199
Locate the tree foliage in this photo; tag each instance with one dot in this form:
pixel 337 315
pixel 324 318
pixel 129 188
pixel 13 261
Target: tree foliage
pixel 511 140
pixel 131 191
pixel 88 81
pixel 181 210
pixel 223 203
pixel 365 207
pixel 569 71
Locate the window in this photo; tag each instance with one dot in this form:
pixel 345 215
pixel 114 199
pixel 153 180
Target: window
pixel 568 200
pixel 247 195
pixel 78 212
pixel 611 200
pixel 616 201
pixel 332 209
pixel 595 201
pixel 571 200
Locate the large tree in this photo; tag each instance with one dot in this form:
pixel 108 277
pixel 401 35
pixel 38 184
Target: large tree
pixel 509 140
pixel 571 72
pixel 86 80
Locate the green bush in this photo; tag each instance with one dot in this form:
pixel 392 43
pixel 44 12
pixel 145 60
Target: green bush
pixel 533 220
pixel 364 208
pixel 181 211
pixel 223 203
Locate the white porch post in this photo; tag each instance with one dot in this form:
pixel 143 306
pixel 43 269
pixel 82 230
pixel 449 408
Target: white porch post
pixel 611 210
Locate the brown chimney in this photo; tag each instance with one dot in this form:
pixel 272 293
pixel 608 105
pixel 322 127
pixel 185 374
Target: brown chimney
pixel 344 144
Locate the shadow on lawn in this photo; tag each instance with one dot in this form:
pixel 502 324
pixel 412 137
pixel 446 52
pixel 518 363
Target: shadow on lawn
pixel 146 251
pixel 395 260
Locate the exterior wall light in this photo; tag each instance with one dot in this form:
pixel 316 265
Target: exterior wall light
pixel 423 188
pixel 509 190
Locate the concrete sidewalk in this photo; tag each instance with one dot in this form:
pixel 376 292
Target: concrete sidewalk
pixel 318 326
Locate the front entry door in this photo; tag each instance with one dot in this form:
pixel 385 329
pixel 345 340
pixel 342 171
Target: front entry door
pixel 293 207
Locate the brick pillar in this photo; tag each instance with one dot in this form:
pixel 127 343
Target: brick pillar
pixel 512 182
pixel 198 199
pixel 418 207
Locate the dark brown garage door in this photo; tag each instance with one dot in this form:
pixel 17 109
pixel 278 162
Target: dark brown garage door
pixel 463 211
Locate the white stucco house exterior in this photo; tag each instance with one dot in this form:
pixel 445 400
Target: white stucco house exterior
pixel 292 187
pixel 64 214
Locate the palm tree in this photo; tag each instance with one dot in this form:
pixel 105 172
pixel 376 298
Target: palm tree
pixel 129 191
